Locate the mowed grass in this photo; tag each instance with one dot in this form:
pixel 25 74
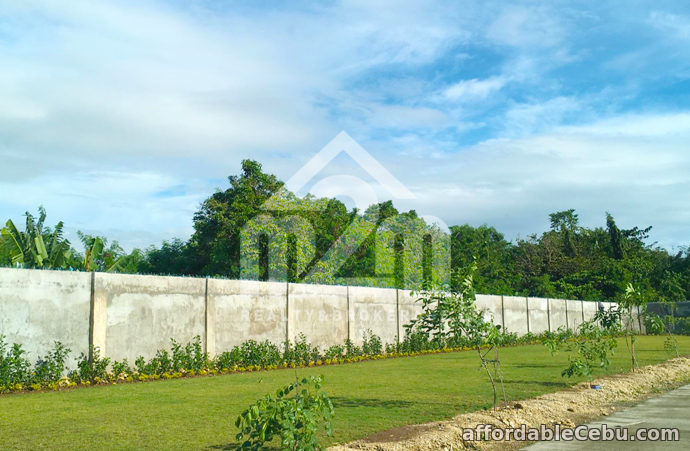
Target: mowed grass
pixel 368 397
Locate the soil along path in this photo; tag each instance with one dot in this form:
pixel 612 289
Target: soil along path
pixel 567 408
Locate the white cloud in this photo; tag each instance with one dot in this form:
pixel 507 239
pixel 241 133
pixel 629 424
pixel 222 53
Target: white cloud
pixel 678 25
pixel 104 105
pixel 136 208
pixel 536 26
pixel 526 118
pixel 474 89
pixel 513 183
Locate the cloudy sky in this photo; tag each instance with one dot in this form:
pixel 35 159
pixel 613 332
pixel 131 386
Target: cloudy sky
pixel 120 117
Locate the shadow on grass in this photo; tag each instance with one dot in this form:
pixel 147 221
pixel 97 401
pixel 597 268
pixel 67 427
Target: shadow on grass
pixel 236 445
pixel 543 383
pixel 536 365
pixel 339 401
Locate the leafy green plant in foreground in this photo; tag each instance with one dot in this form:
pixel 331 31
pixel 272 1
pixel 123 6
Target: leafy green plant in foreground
pixel 632 299
pixel 592 348
pixel 452 317
pixel 294 416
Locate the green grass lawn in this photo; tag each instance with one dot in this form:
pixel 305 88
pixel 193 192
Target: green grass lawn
pixel 368 397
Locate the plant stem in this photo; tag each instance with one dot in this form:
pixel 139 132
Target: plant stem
pixel 500 376
pixel 488 372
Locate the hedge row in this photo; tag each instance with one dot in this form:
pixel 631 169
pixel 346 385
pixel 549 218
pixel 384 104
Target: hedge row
pixel 50 372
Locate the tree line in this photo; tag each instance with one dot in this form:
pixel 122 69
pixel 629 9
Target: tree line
pixel 257 229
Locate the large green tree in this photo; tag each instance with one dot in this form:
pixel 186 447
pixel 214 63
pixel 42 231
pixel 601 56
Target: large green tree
pixel 215 244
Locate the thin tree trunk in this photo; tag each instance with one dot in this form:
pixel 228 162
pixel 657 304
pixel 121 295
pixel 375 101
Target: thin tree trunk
pixel 632 341
pixel 488 372
pixel 500 376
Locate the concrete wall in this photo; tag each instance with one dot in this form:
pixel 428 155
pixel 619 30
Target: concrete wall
pixel 574 313
pixel 408 310
pixel 38 308
pixel 515 314
pixel 374 309
pixel 557 314
pixel 538 315
pixel 131 315
pixel 492 306
pixel 144 312
pixel 320 312
pixel 243 309
pixel 590 309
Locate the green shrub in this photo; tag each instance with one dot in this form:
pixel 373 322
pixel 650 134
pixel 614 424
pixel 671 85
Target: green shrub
pixel 351 350
pixel 262 354
pixel 50 368
pixel 119 369
pixel 90 370
pixel 227 359
pixel 511 338
pixel 15 369
pixel 654 324
pixel 140 365
pixel 180 358
pixel 294 416
pixel 610 320
pixel 417 341
pixel 190 357
pixel 161 363
pixel 371 344
pixel 334 352
pixel 301 353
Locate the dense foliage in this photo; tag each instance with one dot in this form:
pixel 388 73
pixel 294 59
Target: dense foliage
pixel 256 229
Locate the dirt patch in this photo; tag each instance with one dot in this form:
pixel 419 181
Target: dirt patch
pixel 569 407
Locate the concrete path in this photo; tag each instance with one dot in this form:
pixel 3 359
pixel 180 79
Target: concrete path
pixel 671 410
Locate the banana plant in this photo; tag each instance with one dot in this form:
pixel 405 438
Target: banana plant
pixel 98 256
pixel 36 246
pixel 94 251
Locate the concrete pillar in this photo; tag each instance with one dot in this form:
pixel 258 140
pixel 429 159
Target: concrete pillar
pixel 548 313
pixel 350 316
pixel 567 323
pixel 582 309
pixel 397 315
pixel 289 322
pixel 209 323
pixel 527 312
pixel 98 319
pixel 639 320
pixel 503 316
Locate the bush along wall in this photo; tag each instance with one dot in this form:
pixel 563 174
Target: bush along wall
pixel 51 372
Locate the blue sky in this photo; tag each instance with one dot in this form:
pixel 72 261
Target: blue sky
pixel 120 117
